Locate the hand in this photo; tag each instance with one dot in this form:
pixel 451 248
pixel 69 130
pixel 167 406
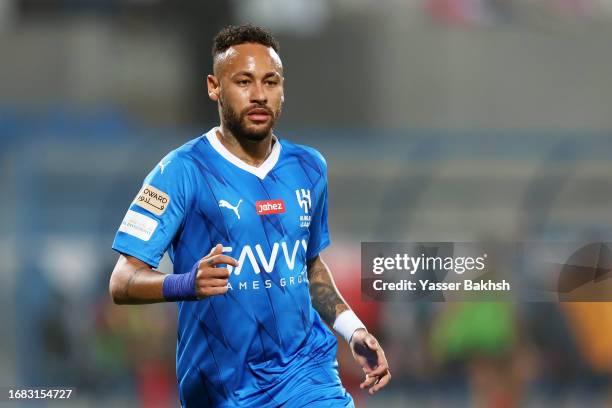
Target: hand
pixel 371 357
pixel 211 280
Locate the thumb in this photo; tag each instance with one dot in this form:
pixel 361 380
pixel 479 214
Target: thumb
pixel 371 342
pixel 217 250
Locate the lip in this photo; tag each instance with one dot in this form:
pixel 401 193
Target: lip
pixel 258 115
pixel 258 111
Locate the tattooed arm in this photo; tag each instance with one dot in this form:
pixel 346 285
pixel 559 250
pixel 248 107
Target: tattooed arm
pixel 368 353
pixel 326 298
pixel 134 282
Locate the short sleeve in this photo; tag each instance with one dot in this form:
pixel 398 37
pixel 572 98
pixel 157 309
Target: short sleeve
pixel 319 232
pixel 157 212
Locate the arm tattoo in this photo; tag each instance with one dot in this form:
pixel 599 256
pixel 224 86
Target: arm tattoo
pixel 325 297
pixel 128 284
pixel 326 301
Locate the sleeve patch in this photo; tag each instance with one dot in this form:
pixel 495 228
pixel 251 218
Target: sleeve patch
pixel 138 225
pixel 152 199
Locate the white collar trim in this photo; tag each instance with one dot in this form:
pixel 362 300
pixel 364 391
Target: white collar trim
pixel 260 171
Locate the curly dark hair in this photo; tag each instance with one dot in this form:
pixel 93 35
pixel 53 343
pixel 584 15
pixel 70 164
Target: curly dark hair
pixel 242 34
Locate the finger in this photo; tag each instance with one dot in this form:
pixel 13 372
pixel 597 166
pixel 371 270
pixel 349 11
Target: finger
pixel 214 291
pixel 381 383
pixel 212 272
pixel 370 380
pixel 372 343
pixel 220 259
pixel 380 369
pixel 217 249
pixel 212 282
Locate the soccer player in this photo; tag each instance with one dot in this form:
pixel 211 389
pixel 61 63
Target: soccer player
pixel 243 216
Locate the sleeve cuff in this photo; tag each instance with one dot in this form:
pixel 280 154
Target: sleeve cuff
pixel 154 263
pixel 313 254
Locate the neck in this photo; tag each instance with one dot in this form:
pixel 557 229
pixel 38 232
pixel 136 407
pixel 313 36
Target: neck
pixel 253 152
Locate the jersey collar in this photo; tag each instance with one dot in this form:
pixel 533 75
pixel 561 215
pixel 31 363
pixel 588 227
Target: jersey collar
pixel 260 171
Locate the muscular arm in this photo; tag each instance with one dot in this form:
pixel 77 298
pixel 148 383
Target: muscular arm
pixel 135 282
pixel 326 298
pixel 365 348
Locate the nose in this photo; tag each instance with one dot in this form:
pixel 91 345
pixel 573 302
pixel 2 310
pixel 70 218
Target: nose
pixel 258 94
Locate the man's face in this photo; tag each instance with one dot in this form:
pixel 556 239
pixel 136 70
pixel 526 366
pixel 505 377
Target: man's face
pixel 248 84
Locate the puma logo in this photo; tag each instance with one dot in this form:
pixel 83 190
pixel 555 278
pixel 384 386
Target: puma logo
pixel 225 204
pixel 162 165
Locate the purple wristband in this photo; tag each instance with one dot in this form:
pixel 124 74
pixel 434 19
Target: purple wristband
pixel 180 286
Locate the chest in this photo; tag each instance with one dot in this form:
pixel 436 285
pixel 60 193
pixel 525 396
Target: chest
pixel 251 209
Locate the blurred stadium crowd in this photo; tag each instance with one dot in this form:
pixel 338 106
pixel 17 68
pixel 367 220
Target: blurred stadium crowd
pixel 466 120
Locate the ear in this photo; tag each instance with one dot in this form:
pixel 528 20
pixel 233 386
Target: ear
pixel 212 84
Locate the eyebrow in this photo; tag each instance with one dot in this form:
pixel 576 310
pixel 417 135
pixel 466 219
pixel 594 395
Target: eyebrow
pixel 250 74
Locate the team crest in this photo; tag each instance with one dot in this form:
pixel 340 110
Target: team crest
pixel 303 199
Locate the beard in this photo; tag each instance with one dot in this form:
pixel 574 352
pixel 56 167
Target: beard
pixel 236 122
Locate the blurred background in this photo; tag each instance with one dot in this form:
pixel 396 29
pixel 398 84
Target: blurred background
pixel 465 120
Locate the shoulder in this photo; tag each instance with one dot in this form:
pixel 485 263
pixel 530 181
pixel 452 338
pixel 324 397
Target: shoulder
pixel 307 154
pixel 176 165
pixel 187 153
pixel 183 159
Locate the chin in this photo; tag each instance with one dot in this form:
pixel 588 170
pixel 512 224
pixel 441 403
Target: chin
pixel 256 133
pixel 255 136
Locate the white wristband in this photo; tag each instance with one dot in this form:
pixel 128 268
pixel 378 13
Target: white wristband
pixel 346 323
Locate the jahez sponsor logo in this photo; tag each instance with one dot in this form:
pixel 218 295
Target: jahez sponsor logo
pixel 270 207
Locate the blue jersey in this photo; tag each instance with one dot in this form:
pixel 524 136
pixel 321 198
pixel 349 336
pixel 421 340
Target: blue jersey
pixel 262 344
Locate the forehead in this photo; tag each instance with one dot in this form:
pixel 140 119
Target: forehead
pixel 248 57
